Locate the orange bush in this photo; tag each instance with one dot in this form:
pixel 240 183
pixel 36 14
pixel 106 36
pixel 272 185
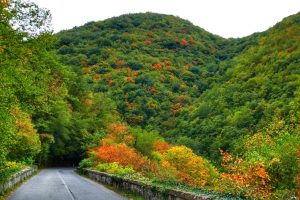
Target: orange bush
pixel 244 178
pixel 161 146
pixel 157 66
pixel 123 155
pixel 117 132
pixel 184 42
pixel 116 128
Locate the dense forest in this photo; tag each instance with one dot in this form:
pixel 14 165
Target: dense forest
pixel 182 105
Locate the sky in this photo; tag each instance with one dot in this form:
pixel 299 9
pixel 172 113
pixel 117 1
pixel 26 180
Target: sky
pixel 227 18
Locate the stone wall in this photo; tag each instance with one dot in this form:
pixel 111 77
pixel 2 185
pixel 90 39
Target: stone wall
pixel 17 178
pixel 147 191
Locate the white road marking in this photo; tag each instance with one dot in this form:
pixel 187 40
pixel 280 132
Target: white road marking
pixel 66 186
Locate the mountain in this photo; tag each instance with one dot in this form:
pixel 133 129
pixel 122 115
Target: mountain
pixel 150 64
pixel 194 87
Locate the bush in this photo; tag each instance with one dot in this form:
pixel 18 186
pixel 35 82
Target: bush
pixel 9 169
pixel 85 163
pixel 188 168
pixel 114 168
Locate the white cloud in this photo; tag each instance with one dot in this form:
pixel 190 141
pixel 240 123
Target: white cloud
pixel 227 18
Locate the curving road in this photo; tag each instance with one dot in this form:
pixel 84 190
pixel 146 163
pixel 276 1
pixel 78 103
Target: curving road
pixel 62 184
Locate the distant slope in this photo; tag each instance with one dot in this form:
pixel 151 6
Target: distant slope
pixel 262 84
pixel 194 87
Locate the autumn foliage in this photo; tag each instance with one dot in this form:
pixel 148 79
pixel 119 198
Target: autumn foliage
pixel 187 167
pixel 122 154
pixel 161 146
pixel 251 180
pixel 162 160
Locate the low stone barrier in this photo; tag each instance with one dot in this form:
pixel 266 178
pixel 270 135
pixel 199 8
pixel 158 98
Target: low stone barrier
pixel 17 178
pixel 147 191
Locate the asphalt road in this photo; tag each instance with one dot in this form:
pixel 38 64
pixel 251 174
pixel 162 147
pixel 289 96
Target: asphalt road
pixel 62 184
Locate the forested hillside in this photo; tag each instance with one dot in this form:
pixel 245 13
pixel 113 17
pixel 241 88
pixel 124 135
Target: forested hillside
pixel 193 87
pixel 152 97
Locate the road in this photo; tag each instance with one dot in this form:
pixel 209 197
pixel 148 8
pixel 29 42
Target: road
pixel 62 184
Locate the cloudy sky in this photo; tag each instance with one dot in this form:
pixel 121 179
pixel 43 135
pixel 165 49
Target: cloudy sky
pixel 227 18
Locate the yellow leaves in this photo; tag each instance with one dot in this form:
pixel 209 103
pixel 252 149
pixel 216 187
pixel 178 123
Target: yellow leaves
pixel 4 3
pixel 189 168
pixel 27 137
pixel 23 122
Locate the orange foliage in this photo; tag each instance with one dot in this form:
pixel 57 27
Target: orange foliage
pixel 114 59
pixel 88 102
pixel 128 71
pixel 110 81
pixel 157 66
pixel 116 129
pixel 131 106
pixel 183 86
pixel 121 63
pixel 83 63
pixel 184 42
pixel 175 108
pixel 242 177
pixel 131 76
pixel 161 146
pixel 123 155
pixel 118 132
pixel 147 42
pixel 96 77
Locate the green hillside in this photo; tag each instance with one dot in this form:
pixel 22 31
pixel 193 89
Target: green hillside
pixel 194 87
pixel 260 86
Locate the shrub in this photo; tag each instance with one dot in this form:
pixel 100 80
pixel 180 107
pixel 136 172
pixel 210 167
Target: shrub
pixel 122 154
pixel 114 168
pixel 244 178
pixel 86 163
pixel 187 167
pixel 8 169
